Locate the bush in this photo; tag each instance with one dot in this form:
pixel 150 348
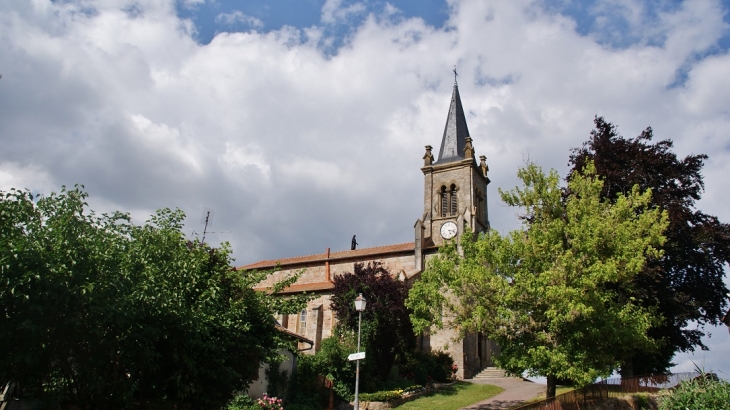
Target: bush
pixel 242 402
pixel 270 403
pixel 382 395
pixel 303 406
pixel 424 367
pixel 389 395
pixel 278 379
pixel 331 362
pixel 703 393
pixel 413 389
pixel 304 390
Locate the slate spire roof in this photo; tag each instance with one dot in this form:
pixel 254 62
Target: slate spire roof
pixel 455 132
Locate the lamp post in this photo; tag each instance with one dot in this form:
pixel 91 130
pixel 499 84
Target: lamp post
pixel 359 306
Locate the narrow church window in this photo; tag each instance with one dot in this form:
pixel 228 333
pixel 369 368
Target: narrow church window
pixel 480 204
pixel 454 201
pixel 303 322
pixel 444 201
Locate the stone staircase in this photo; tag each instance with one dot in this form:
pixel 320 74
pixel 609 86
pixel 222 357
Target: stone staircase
pixel 491 373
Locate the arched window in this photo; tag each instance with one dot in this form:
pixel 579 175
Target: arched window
pixel 454 205
pixel 302 322
pixel 444 201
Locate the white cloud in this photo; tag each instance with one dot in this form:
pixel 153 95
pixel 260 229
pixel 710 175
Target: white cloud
pixel 334 12
pixel 239 17
pixel 35 178
pixel 192 3
pixel 248 102
pixel 161 138
pixel 237 158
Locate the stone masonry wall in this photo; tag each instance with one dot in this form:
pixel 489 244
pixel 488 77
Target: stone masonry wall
pixel 320 320
pixel 459 174
pixel 316 272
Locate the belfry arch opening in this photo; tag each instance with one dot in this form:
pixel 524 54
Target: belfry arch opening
pixel 449 200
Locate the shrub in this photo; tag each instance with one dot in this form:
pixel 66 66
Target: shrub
pixel 305 403
pixel 304 390
pixel 382 395
pixel 414 388
pixel 303 406
pixel 703 393
pixel 389 395
pixel 424 367
pixel 278 379
pixel 331 361
pixel 270 403
pixel 242 402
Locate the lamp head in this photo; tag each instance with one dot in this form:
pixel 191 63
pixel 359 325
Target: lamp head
pixel 360 303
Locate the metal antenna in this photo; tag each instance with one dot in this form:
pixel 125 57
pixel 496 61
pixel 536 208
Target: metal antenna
pixel 207 220
pixel 205 229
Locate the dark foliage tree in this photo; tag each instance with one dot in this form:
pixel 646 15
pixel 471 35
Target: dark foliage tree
pixel 100 313
pixel 686 284
pixel 387 330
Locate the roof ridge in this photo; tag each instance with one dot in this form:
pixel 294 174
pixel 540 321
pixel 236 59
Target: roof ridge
pixel 323 256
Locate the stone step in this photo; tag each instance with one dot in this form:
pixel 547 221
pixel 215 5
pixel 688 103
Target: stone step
pixel 491 373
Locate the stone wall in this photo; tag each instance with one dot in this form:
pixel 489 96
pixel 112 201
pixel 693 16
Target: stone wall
pixel 316 272
pixel 320 319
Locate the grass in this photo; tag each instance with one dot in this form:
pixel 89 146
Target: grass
pixel 453 397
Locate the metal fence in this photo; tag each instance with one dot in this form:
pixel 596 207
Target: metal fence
pixel 584 398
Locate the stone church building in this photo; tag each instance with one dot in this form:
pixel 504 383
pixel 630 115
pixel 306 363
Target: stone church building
pixel 454 204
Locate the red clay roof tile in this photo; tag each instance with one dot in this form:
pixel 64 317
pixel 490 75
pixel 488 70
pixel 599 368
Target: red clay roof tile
pixel 321 257
pixel 292 334
pixel 305 287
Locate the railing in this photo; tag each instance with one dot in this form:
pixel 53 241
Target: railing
pixel 583 398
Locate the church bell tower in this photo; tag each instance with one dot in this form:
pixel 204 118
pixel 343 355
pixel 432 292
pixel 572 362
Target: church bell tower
pixel 455 185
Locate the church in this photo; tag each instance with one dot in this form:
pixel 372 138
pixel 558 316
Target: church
pixel 454 204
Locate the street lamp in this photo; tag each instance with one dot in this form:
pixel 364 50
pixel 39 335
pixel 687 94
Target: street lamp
pixel 359 306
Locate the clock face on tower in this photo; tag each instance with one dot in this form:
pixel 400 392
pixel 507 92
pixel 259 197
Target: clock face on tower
pixel 448 230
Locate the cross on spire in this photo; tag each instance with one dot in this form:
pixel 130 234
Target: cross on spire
pixel 455 74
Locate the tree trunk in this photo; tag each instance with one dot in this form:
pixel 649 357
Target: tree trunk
pixel 551 383
pixel 627 368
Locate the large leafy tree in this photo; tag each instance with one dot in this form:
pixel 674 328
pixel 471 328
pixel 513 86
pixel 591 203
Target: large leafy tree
pixel 387 330
pixel 685 285
pixel 99 312
pixel 543 292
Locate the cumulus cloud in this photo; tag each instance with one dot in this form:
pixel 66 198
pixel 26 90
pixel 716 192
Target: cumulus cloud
pixel 238 16
pixel 268 114
pixel 333 11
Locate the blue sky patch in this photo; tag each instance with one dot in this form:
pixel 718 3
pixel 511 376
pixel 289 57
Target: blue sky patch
pixel 212 17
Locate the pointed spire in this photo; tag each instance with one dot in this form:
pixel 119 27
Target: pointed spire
pixel 455 132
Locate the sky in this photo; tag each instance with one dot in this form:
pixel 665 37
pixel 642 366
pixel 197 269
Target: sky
pixel 299 123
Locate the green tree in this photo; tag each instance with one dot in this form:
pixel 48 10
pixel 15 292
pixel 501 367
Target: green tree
pixel 686 284
pixel 99 312
pixel 542 292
